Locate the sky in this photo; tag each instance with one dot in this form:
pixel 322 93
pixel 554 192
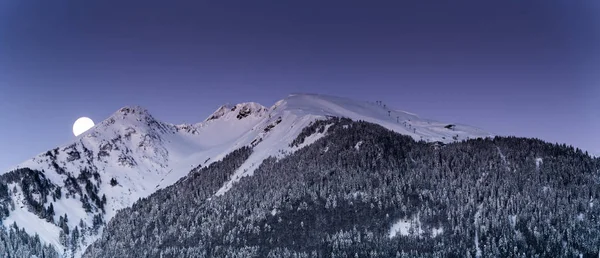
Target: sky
pixel 511 67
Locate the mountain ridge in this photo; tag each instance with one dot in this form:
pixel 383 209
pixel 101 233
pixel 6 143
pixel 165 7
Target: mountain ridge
pixel 390 196
pixel 131 154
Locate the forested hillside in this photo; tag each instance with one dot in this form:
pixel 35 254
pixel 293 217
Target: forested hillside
pixel 365 191
pixel 15 241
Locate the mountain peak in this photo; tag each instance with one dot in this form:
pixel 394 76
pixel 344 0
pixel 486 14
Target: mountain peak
pixel 240 110
pixel 132 117
pixel 222 110
pixel 133 110
pixel 138 113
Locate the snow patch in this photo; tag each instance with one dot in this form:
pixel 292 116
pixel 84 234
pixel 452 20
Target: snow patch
pixel 512 219
pixel 437 231
pixel 504 161
pixel 358 144
pixel 538 162
pixel 406 227
pixel 355 195
pixel 478 252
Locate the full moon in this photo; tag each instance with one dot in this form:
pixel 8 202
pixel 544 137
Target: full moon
pixel 81 125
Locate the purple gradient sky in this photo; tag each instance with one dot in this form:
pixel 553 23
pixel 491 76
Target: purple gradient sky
pixel 525 68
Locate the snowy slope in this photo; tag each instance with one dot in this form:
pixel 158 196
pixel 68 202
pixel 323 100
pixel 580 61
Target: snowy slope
pixel 143 154
pixel 139 152
pixel 398 121
pixel 299 110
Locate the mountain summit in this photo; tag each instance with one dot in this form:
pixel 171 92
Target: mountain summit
pixel 130 155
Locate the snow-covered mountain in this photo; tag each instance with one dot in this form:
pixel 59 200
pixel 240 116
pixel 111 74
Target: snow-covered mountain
pixel 131 154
